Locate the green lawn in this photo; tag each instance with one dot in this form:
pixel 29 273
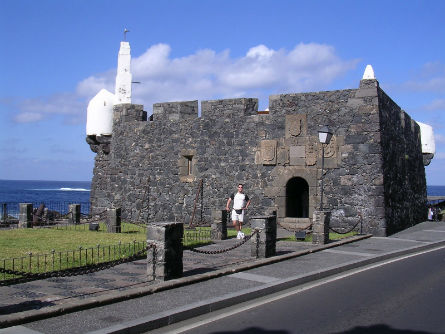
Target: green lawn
pixel 21 242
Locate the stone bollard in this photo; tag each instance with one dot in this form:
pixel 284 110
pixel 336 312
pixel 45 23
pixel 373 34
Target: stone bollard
pixel 264 244
pixel 74 217
pixel 164 253
pixel 25 215
pixel 219 225
pixel 114 220
pixel 320 227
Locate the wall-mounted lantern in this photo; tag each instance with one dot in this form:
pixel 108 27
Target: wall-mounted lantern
pixel 324 136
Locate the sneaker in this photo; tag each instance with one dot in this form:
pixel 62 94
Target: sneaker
pixel 238 236
pixel 241 235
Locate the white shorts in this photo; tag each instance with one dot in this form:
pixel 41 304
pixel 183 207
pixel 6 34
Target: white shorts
pixel 238 217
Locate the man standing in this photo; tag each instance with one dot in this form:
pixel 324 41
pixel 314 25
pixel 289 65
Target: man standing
pixel 240 203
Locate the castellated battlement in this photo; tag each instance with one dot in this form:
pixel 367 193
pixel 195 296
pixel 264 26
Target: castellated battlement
pixel 177 165
pixel 373 166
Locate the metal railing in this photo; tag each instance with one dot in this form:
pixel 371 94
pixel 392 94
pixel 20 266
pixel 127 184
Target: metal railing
pixel 196 235
pixel 9 211
pixel 67 263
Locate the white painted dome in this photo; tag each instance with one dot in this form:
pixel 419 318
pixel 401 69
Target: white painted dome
pixel 100 114
pixel 427 138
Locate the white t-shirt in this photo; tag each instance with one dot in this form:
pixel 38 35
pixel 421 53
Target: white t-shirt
pixel 239 200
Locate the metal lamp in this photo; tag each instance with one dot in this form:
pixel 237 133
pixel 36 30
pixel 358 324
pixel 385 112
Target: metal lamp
pixel 324 136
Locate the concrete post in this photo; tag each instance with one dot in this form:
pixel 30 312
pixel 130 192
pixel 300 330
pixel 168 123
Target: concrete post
pixel 25 215
pixel 164 255
pixel 264 245
pixel 114 220
pixel 74 217
pixel 219 225
pixel 320 227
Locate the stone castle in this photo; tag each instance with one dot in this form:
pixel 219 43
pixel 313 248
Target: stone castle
pixel 176 164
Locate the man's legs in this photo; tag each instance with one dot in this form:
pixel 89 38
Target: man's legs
pixel 235 225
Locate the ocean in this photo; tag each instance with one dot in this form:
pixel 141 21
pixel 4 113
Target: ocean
pixel 56 195
pixel 47 192
pixel 435 190
pixel 77 191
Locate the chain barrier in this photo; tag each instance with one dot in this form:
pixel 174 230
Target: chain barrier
pixel 352 229
pixel 295 229
pixel 220 251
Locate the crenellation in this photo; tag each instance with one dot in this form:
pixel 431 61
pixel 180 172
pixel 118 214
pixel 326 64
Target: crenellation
pixel 229 108
pixel 175 111
pixel 373 166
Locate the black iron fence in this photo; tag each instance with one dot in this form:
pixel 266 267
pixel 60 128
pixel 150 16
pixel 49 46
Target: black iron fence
pixel 9 211
pixel 196 235
pixel 66 263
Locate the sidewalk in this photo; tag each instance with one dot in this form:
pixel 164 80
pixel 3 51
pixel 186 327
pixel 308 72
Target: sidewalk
pixel 209 283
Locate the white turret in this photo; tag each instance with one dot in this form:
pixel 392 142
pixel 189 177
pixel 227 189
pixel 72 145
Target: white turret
pixel 100 107
pixel 369 73
pixel 123 77
pixel 427 138
pixel 428 143
pixel 100 114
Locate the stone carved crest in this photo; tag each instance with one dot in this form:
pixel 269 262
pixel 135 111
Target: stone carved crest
pixel 269 152
pixel 330 150
pixel 311 153
pixel 295 125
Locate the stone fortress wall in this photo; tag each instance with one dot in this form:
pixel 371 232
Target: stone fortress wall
pixel 373 164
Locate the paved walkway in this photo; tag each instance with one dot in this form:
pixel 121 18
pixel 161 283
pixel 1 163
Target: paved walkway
pixel 43 293
pixel 124 300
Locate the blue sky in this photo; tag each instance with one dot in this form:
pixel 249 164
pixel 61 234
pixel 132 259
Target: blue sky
pixel 56 55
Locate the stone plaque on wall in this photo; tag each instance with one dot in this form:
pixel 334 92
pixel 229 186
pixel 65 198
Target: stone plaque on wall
pixel 269 152
pixel 297 155
pixel 311 152
pixel 295 125
pixel 330 150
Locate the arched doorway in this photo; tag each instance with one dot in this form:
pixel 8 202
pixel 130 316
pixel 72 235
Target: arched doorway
pixel 297 198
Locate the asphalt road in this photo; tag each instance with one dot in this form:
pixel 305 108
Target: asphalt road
pixel 405 296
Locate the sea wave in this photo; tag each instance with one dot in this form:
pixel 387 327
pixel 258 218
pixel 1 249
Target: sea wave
pixel 74 189
pixel 62 189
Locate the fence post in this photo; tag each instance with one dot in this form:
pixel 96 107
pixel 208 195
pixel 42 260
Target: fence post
pixel 320 227
pixel 264 245
pixel 114 220
pixel 25 215
pixel 164 258
pixel 75 213
pixel 4 212
pixel 219 225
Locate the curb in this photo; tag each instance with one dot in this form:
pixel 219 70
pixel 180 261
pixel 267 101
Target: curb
pixel 166 318
pixel 117 296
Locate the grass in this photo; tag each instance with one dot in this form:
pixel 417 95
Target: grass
pixel 74 245
pixel 231 232
pixel 21 242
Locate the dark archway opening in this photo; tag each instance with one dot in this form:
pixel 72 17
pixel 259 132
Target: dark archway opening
pixel 297 198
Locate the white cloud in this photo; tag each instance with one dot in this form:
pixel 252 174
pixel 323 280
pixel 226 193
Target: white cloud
pixel 430 78
pixel 206 74
pixel 439 138
pixel 71 105
pixel 437 104
pixel 28 117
